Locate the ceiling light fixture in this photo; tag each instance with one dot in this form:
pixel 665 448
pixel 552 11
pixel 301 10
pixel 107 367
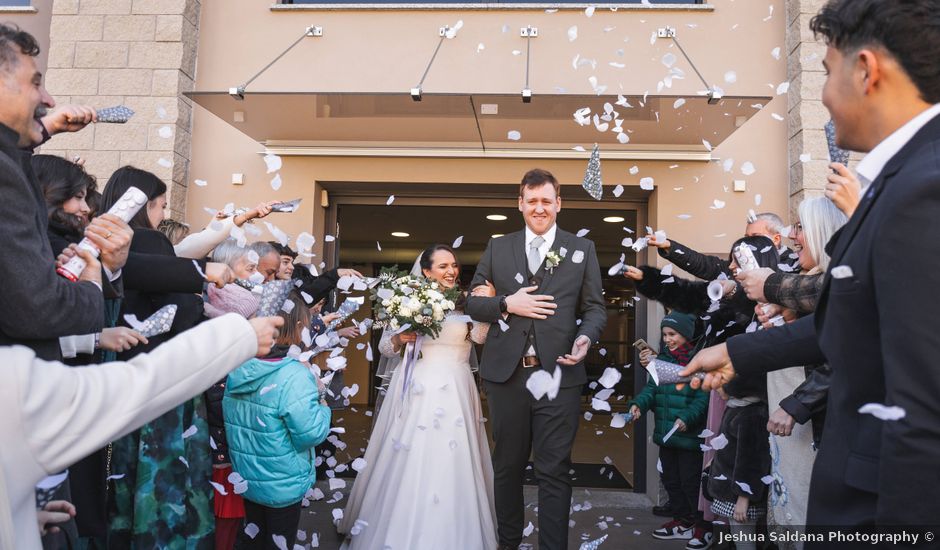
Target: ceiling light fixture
pixel 496 217
pixel 614 219
pixel 400 234
pixel 496 235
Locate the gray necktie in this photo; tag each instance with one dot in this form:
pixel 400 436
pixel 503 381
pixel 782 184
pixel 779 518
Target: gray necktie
pixel 535 259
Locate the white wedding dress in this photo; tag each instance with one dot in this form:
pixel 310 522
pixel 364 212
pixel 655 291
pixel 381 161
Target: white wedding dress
pixel 428 479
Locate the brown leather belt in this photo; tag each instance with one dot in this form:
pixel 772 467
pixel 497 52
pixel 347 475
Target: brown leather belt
pixel 530 361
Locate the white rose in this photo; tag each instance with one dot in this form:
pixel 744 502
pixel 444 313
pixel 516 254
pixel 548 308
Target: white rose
pixel 419 318
pixel 386 303
pixel 393 324
pixel 438 315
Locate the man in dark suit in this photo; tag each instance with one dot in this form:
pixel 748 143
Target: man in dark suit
pixel 532 332
pixel 36 305
pixel 875 322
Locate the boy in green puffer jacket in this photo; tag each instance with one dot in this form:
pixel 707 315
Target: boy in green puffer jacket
pixel 275 414
pixel 680 417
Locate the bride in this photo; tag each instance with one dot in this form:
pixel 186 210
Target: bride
pixel 428 480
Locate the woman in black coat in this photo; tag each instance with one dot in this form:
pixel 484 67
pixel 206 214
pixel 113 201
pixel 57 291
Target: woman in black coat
pixel 164 498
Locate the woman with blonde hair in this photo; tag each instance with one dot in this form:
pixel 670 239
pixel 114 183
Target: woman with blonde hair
pixel 796 425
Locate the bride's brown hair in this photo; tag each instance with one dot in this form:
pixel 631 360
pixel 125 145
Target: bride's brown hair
pixel 425 262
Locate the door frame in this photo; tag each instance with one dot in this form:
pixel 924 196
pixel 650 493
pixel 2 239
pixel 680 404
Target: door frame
pixel 502 196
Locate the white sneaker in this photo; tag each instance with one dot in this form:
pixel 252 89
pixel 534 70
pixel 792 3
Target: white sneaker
pixel 673 530
pixel 701 539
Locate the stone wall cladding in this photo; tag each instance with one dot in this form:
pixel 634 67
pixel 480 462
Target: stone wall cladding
pixel 138 53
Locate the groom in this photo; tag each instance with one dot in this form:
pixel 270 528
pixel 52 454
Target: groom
pixel 546 279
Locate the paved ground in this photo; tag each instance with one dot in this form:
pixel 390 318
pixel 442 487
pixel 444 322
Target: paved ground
pixel 624 517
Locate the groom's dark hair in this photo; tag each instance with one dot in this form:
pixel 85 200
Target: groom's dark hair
pixel 536 178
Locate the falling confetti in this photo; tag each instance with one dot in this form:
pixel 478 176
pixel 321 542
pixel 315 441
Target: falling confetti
pixel 883 412
pixel 273 162
pixel 678 103
pixel 514 135
pixel 573 33
pixel 201 183
pixel 647 184
pixel 276 182
pixel 783 88
pixel 618 191
pixel 748 168
pixel 731 77
pixel 391 199
pixel 457 242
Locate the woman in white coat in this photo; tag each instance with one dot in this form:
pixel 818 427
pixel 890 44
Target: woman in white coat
pixel 52 416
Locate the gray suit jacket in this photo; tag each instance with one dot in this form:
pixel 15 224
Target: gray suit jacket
pixel 36 305
pixel 576 287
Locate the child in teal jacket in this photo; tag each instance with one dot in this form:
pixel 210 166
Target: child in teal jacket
pixel 680 415
pixel 275 414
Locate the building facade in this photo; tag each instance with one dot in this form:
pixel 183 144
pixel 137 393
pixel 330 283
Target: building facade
pixel 214 92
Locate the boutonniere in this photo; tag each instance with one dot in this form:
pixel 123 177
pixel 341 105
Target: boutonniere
pixel 552 259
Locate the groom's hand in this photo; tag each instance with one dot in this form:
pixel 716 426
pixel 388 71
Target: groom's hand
pixel 578 351
pixel 535 306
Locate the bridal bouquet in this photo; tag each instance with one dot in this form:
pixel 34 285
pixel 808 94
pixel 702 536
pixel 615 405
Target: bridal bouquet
pixel 407 302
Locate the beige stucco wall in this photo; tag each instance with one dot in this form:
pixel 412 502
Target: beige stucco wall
pixel 35 20
pixel 386 50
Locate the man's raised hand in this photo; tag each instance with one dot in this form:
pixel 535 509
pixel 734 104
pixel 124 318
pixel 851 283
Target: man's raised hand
pixel 715 363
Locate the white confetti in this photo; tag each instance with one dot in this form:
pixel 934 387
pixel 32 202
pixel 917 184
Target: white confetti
pixel 610 377
pixel 775 53
pixel 647 184
pixel 783 88
pixel 582 232
pixel 276 182
pixel 573 33
pixel 457 242
pixel 115 477
pixel 776 116
pixel 201 183
pixel 678 103
pixel 719 442
pixel 261 422
pixel 577 257
pixel 252 530
pixel 748 168
pixel 669 59
pixel 706 433
pixel 359 464
pixel 165 132
pixel 219 487
pixel 634 170
pixel 731 77
pixel 528 530
pixel 758 198
pixel 618 191
pixel 514 135
pixel 589 11
pixel 273 162
pixel 279 235
pixel 744 487
pixel 337 483
pixel 707 144
pixel 190 431
pixel 165 163
pixel 279 541
pixel 883 412
pixel 717 204
pixel 541 383
pixel 767 480
pixel 266 389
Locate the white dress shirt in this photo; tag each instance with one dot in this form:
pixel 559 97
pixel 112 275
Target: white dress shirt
pixel 549 237
pixel 874 162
